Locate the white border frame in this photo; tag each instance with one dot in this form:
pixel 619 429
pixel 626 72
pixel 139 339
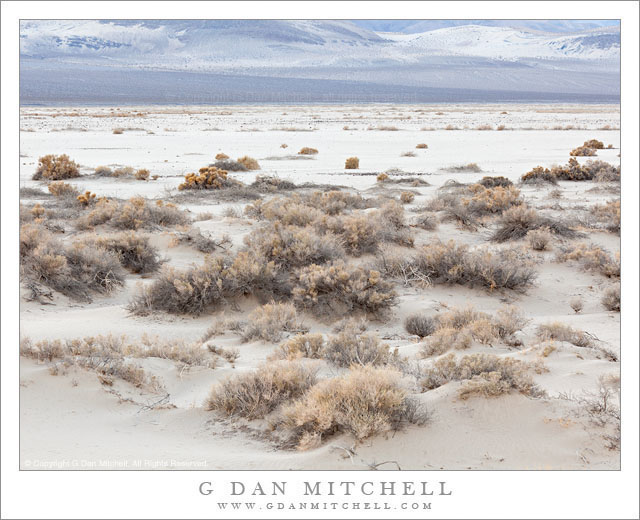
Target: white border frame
pixel 490 494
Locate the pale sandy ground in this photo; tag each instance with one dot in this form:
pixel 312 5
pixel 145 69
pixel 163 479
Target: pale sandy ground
pixel 73 417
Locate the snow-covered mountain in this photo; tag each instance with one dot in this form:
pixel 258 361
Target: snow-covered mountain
pixel 477 55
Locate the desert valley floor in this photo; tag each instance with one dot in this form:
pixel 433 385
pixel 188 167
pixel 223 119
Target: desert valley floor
pixel 556 410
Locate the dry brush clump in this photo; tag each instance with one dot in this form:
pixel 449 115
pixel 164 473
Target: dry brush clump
pixel 75 270
pixel 607 215
pixel 105 355
pixel 422 146
pixel 55 168
pixel 293 246
pixel 582 151
pixel 485 375
pixel 63 189
pixel 592 258
pixel 492 182
pixel 518 222
pixel 208 178
pixel 307 151
pixel 271 320
pixel 440 263
pixel 557 331
pixel 249 163
pixel 420 325
pixel 229 165
pixel 218 279
pixel 467 204
pixel 352 163
pixel 364 402
pixel 201 242
pixel 539 239
pixel 458 328
pixel 221 156
pixel 611 299
pixel 136 213
pixel 464 168
pixel 336 288
pixel 301 346
pixel 352 347
pixel 539 175
pixel 134 251
pixel 598 171
pixel 406 197
pixel 256 394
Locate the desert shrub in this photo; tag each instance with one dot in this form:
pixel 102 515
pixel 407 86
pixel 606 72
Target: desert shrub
pixel 422 146
pixel 134 251
pixel 352 163
pixel 439 263
pixel 55 168
pixel 124 171
pixel 308 151
pixel 118 131
pixel 560 332
pixel 270 184
pixel 269 321
pixel 382 177
pixel 464 168
pixel 582 151
pixel 105 355
pixel 284 145
pixel 221 156
pixel 517 222
pixel 607 214
pixel 249 163
pixel 211 284
pixel 420 325
pixel 292 246
pixel 595 144
pixel 350 347
pixel 86 198
pixel 492 182
pixel 256 394
pixel 62 189
pixel 557 331
pixel 406 197
pixel 184 292
pixel 458 328
pixel 142 174
pixel 335 288
pixel 75 270
pixel 573 171
pixel 602 171
pixel 408 154
pixel 333 202
pixel 539 175
pixel 592 258
pixel 363 233
pixel 208 178
pixel 364 402
pixel 484 374
pixel 481 200
pixel 203 243
pixel 539 239
pixel 229 165
pixel 286 210
pixel 427 221
pixel 576 304
pixel 301 345
pixel 611 299
pixel 137 213
pixel 103 171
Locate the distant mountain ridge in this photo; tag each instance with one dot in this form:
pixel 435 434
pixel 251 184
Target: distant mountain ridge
pixel 546 56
